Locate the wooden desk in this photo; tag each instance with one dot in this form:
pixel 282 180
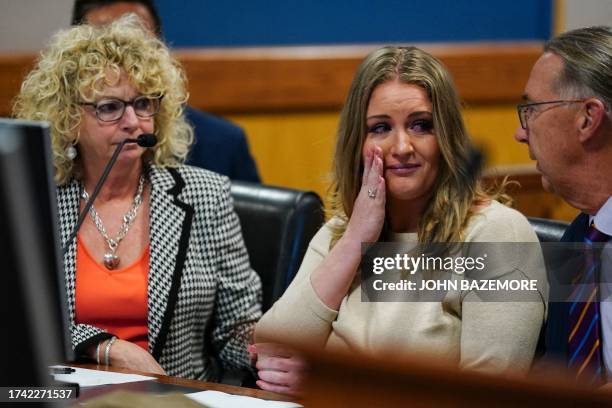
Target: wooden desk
pixel 165 384
pixel 346 379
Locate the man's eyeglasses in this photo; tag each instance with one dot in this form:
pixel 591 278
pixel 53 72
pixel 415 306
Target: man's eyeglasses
pixel 525 110
pixel 111 110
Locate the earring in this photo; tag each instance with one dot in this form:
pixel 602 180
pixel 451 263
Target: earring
pixel 71 152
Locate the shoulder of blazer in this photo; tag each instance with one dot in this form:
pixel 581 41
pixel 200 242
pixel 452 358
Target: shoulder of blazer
pixel 193 185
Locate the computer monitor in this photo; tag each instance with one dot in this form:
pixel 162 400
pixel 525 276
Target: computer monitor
pixel 33 308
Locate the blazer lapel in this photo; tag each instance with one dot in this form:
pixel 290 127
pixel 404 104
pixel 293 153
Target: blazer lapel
pixel 68 212
pixel 170 227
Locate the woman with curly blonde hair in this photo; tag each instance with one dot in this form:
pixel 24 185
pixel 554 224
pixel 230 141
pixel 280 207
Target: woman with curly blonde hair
pixel 158 278
pixel 403 173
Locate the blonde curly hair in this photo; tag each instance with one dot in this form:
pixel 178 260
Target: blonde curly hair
pixel 80 62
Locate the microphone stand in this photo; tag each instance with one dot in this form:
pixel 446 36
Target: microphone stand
pixel 141 140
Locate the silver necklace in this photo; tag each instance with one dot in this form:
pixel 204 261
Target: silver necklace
pixel 111 260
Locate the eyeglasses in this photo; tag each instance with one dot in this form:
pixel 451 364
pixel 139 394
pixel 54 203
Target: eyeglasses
pixel 111 110
pixel 525 110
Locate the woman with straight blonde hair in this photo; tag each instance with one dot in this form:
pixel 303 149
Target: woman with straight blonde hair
pixel 403 172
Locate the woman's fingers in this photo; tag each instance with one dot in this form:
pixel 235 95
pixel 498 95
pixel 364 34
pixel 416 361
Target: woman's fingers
pixel 276 377
pixel 279 368
pixel 368 214
pixel 279 363
pixel 375 170
pixel 381 192
pixel 156 369
pixel 279 389
pixel 374 185
pixel 367 166
pixel 288 383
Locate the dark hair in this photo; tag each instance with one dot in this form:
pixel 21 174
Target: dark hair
pixel 82 7
pixel 587 62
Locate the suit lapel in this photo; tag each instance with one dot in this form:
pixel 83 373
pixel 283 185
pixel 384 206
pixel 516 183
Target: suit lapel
pixel 68 212
pixel 170 226
pixel 575 232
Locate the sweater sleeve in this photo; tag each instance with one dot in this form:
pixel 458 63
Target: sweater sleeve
pixel 299 313
pixel 499 334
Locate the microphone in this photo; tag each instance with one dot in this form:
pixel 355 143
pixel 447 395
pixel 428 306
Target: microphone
pixel 144 140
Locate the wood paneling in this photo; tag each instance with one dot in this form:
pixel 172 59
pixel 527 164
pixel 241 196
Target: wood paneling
pixel 529 196
pixel 317 78
pixel 13 68
pixel 301 79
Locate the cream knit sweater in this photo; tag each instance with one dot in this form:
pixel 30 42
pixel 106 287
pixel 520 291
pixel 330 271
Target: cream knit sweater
pixel 488 336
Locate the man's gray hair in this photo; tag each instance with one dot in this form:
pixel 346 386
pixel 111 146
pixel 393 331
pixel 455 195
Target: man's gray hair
pixel 587 63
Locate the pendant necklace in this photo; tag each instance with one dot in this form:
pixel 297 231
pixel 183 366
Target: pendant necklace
pixel 111 259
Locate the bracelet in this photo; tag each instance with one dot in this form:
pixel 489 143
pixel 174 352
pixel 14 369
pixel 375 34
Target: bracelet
pixel 98 352
pixel 107 350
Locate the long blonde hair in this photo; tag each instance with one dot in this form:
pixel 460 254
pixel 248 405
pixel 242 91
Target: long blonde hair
pixel 456 188
pixel 80 62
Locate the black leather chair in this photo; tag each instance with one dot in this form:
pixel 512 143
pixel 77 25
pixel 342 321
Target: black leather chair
pixel 277 225
pixel 548 230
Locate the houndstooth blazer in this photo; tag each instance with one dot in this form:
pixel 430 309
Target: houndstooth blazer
pixel 203 297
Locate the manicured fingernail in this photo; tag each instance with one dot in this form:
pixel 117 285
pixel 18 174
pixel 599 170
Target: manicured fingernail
pixel 251 348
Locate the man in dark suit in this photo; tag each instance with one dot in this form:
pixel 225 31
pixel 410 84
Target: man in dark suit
pixel 567 124
pixel 220 145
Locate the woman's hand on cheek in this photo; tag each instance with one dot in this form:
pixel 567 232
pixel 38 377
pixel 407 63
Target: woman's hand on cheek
pixel 368 215
pixel 279 368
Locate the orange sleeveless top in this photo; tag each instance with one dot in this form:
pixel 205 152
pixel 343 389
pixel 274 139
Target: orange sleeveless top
pixel 115 301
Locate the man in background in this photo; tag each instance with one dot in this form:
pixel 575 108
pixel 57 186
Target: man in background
pixel 567 124
pixel 220 145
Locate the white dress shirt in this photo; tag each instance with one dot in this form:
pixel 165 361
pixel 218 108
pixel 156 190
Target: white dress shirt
pixel 603 222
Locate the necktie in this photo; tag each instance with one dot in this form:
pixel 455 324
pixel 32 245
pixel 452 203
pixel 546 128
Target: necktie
pixel 584 341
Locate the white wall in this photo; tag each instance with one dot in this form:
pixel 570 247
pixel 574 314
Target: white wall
pixel 582 13
pixel 26 25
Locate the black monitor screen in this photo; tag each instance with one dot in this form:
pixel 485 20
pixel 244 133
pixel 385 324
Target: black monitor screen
pixel 32 291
